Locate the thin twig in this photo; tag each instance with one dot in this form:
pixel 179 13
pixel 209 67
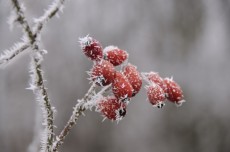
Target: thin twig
pixel 79 108
pixel 10 54
pixel 51 12
pixel 22 20
pixel 18 49
pixel 37 85
pixel 14 51
pixel 36 76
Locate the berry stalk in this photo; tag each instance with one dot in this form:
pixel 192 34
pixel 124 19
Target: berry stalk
pixel 79 109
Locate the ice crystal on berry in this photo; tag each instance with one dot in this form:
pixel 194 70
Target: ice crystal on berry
pixel 121 87
pixel 156 95
pixel 91 48
pixel 112 108
pixel 134 77
pixel 174 92
pixel 115 55
pixel 103 73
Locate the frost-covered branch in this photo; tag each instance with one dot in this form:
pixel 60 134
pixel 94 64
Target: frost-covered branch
pixel 20 17
pixel 37 84
pixel 77 112
pixel 10 54
pixel 17 15
pixel 49 13
pixel 83 104
pixel 38 87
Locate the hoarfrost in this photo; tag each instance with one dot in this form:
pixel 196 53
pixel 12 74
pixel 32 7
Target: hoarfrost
pixel 85 41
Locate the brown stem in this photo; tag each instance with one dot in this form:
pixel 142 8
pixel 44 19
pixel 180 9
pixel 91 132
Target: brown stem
pixel 22 20
pixel 42 95
pixel 77 112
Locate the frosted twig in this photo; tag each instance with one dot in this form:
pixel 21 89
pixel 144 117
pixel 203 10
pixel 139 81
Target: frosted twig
pixel 52 11
pixel 22 20
pixel 37 79
pixel 49 13
pixel 18 48
pixel 77 112
pixel 37 58
pixel 105 89
pixel 38 87
pixel 79 108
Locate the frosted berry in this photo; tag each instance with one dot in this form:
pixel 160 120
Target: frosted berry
pixel 174 91
pixel 121 87
pixel 103 73
pixel 155 78
pixel 131 73
pixel 156 95
pixel 91 48
pixel 112 108
pixel 115 55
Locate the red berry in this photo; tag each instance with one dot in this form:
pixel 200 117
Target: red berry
pixel 91 48
pixel 121 87
pixel 131 73
pixel 155 78
pixel 174 92
pixel 115 55
pixel 156 95
pixel 103 72
pixel 112 108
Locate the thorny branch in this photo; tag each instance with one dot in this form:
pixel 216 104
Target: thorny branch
pixel 51 12
pixel 37 77
pixel 77 112
pixel 42 96
pixel 79 108
pixel 32 33
pixel 22 20
pixel 14 51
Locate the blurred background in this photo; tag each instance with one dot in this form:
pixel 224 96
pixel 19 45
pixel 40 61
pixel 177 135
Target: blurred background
pixel 186 39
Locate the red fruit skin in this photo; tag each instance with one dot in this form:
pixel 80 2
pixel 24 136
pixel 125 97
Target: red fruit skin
pixel 155 78
pixel 103 72
pixel 121 87
pixel 91 48
pixel 112 108
pixel 156 95
pixel 134 77
pixel 115 55
pixel 174 91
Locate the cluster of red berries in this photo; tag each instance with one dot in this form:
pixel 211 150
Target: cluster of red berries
pixel 125 83
pixel 160 89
